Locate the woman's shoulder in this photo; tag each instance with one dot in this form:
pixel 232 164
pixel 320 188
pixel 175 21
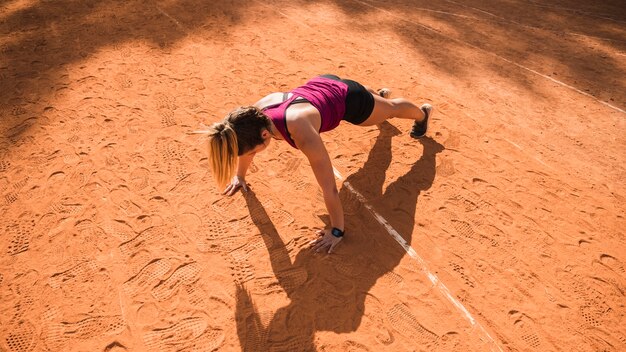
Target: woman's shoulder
pixel 270 99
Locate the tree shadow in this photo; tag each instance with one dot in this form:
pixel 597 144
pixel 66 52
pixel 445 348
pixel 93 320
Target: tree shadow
pixel 42 40
pixel 327 292
pixel 576 42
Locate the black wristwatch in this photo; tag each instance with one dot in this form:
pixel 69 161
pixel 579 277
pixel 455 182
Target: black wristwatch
pixel 336 232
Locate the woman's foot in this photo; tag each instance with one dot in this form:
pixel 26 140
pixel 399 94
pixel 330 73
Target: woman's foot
pixel 384 92
pixel 420 128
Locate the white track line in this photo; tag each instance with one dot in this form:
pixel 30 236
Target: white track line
pixel 178 24
pixel 582 12
pixel 534 157
pixel 423 266
pixel 492 54
pixel 500 19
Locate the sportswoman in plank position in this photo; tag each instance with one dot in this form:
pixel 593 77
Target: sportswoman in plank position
pixel 298 117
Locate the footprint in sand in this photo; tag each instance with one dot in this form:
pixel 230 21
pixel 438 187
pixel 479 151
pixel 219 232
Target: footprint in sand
pixel 117 228
pixel 248 249
pixel 4 165
pixel 230 208
pixel 292 278
pixel 591 315
pixel 391 279
pixel 123 81
pixel 20 337
pixel 210 340
pixel 20 233
pixel 14 191
pixel 188 223
pixel 461 272
pixel 281 217
pixel 470 202
pixel 149 276
pixel 453 142
pixel 71 158
pixel 304 187
pixel 445 167
pixel 148 236
pixel 182 333
pixel 405 323
pixel 165 101
pixel 467 232
pixel 353 346
pixel 525 329
pixel 82 173
pixel 147 314
pixel 66 208
pixel 291 165
pixel 123 199
pixel 266 284
pixel 215 236
pixel 351 268
pixel 452 341
pixel 375 316
pixel 185 274
pixel 275 214
pixel 351 203
pixel 196 295
pixel 167 117
pixel 242 227
pixel 170 149
pixel 58 336
pixel 241 270
pixel 464 229
pixel 81 272
pixel 613 263
pixel 139 179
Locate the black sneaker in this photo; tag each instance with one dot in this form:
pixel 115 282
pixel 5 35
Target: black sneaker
pixel 420 128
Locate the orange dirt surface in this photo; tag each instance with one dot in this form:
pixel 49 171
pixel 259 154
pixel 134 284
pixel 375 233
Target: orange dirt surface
pixel 114 236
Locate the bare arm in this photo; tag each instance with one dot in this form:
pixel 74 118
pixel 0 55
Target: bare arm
pixel 239 181
pixel 310 143
pixel 243 163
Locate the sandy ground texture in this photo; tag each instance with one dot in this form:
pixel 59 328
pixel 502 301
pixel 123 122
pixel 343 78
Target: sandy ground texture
pixel 114 237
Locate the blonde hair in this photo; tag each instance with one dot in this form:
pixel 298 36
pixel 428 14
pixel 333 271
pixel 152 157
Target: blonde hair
pixel 239 133
pixel 223 151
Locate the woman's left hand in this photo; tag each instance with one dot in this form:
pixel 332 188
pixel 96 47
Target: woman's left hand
pixel 235 184
pixel 325 240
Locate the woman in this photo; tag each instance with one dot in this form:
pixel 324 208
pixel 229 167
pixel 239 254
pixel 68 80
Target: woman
pixel 298 117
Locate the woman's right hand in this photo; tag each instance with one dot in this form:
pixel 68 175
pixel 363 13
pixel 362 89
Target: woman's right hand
pixel 236 183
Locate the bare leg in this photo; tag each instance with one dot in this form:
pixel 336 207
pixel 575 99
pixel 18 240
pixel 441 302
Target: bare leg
pixel 385 109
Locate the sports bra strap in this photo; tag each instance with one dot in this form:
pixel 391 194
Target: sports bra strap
pixel 299 100
pixel 295 101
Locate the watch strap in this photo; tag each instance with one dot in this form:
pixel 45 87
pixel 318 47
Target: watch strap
pixel 336 232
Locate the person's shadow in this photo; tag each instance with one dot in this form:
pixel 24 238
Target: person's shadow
pixel 327 292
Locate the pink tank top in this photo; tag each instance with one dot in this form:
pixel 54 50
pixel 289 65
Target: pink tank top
pixel 326 95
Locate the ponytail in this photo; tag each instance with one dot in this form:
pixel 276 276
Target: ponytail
pixel 237 134
pixel 223 151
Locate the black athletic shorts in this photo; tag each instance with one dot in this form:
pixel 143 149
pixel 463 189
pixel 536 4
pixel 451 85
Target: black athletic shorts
pixel 359 101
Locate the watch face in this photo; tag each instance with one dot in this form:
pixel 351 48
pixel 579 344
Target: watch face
pixel 336 232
